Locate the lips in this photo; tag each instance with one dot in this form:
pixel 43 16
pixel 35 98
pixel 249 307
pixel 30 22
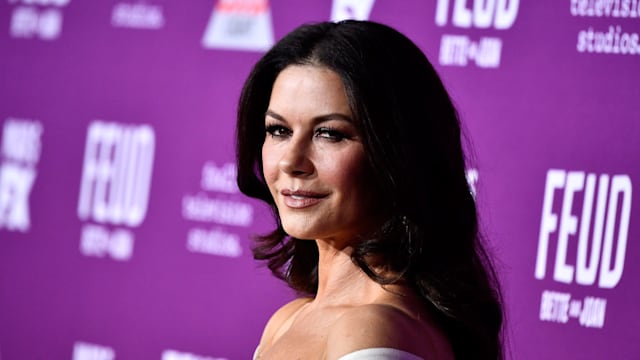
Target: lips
pixel 299 199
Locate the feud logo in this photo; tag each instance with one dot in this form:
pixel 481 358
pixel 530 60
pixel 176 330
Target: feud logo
pixel 482 14
pixel 590 244
pixel 115 186
pixel 458 49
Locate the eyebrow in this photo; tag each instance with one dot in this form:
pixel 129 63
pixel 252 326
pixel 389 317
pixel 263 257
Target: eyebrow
pixel 316 119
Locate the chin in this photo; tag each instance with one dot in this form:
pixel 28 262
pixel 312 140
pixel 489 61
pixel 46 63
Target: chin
pixel 298 234
pixel 299 226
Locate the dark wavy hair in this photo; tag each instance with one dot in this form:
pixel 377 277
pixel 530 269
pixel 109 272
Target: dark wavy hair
pixel 412 137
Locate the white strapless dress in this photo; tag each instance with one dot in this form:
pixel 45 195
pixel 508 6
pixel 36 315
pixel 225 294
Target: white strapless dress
pixel 374 354
pixel 380 354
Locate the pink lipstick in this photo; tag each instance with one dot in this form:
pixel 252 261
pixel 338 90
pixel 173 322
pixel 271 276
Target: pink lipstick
pixel 300 199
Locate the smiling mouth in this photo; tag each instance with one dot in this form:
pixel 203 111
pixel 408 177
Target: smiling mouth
pixel 301 199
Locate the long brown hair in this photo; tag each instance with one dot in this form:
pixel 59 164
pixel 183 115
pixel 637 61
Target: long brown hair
pixel 412 137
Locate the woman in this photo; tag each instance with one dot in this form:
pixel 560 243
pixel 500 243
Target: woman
pixel 347 132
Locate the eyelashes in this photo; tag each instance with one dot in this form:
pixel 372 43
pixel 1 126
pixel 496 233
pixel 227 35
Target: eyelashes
pixel 331 134
pixel 327 133
pixel 277 131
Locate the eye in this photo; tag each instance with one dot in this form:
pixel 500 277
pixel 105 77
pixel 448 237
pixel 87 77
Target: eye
pixel 277 131
pixel 331 134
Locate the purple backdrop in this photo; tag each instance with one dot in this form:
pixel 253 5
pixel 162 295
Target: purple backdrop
pixel 122 234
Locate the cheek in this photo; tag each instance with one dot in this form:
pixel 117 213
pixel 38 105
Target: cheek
pixel 269 164
pixel 347 171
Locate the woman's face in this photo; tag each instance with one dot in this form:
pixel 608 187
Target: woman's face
pixel 313 157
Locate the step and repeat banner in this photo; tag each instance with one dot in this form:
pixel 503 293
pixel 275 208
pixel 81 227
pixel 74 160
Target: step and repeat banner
pixel 123 234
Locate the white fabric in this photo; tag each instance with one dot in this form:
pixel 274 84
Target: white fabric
pixel 380 354
pixel 372 354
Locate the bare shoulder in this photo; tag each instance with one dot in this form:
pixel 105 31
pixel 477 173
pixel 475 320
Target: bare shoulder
pixel 385 326
pixel 280 319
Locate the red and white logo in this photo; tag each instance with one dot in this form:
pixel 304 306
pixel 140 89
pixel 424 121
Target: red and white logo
pixel 239 25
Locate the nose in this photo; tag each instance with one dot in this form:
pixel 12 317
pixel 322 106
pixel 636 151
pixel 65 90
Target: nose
pixel 295 160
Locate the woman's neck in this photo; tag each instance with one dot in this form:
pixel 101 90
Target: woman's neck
pixel 340 280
